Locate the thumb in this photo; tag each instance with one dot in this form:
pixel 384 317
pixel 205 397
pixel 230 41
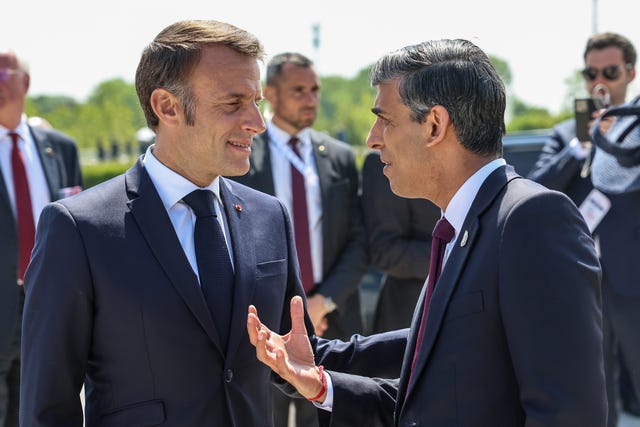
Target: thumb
pixel 297 316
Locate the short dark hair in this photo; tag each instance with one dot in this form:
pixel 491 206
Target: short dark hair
pixel 604 40
pixel 274 67
pixel 167 62
pixel 457 75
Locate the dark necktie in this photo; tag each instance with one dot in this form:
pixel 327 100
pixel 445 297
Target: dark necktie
pixel 301 222
pixel 441 236
pixel 24 211
pixel 214 263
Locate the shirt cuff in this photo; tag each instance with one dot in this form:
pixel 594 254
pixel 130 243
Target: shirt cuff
pixel 328 402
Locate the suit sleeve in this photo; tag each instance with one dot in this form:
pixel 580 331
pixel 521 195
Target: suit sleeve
pixel 394 248
pixel 57 324
pixel 550 303
pixel 556 166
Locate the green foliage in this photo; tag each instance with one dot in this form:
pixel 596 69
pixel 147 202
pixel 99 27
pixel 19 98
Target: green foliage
pixel 345 107
pixel 93 174
pixel 112 111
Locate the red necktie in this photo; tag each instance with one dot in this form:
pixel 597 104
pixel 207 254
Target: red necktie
pixel 442 234
pixel 26 226
pixel 301 222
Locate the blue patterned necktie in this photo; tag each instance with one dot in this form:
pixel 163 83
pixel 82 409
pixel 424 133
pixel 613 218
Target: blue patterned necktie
pixel 214 263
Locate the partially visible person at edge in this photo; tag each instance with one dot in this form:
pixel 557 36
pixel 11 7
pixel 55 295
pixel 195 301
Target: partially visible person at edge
pixel 399 244
pixel 509 333
pixel 332 247
pixel 565 165
pixel 50 168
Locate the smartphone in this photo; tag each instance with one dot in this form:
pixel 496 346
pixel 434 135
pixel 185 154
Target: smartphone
pixel 584 109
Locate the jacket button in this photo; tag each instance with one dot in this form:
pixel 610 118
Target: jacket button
pixel 228 375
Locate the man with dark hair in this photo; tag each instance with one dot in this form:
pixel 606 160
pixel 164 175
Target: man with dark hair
pixel 565 164
pixel 507 331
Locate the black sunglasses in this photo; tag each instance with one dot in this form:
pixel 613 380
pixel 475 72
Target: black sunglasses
pixel 610 72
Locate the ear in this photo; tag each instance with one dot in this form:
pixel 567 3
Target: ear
pixel 632 74
pixel 166 107
pixel 436 124
pixel 27 82
pixel 270 94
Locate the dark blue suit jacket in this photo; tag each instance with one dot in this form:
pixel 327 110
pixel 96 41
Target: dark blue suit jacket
pixel 59 156
pixel 513 334
pixel 113 302
pixel 344 252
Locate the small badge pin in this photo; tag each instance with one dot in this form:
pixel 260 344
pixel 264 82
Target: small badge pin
pixel 238 208
pixel 49 151
pixel 465 238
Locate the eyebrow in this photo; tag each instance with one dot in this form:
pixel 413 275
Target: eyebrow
pixel 377 111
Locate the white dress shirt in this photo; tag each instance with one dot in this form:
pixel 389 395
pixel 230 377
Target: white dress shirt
pixel 38 186
pixel 281 168
pixel 172 187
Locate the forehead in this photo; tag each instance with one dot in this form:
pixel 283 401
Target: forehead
pixel 608 56
pixel 221 65
pixel 388 96
pixel 297 75
pixel 8 60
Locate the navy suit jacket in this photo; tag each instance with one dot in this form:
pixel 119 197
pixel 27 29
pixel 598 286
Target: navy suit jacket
pixel 513 335
pixel 344 253
pixel 59 157
pixel 619 231
pixel 112 301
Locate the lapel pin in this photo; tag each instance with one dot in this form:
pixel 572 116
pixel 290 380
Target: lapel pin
pixel 321 147
pixel 49 151
pixel 465 238
pixel 238 208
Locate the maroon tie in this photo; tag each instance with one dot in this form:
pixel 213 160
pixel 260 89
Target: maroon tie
pixel 26 226
pixel 442 234
pixel 301 222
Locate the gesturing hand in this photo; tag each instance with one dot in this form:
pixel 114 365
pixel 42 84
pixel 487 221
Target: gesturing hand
pixel 290 355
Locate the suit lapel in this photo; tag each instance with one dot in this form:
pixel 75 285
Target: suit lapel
pixel 48 158
pixel 451 273
pixel 260 176
pixel 244 261
pixel 155 226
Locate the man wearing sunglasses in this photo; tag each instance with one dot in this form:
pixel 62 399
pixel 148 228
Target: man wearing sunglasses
pixel 565 165
pixel 37 165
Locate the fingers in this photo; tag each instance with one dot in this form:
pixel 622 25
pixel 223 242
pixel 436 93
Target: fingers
pixel 297 316
pixel 253 324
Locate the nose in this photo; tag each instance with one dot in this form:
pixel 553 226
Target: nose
pixel 255 122
pixel 374 138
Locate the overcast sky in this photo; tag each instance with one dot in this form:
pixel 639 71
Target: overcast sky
pixel 73 45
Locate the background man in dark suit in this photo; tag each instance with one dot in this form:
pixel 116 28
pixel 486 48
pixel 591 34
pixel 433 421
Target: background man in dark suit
pixel 511 335
pixel 565 165
pixel 336 239
pixel 52 171
pixel 399 243
pixel 118 296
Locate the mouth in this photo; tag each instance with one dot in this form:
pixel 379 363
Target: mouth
pixel 243 145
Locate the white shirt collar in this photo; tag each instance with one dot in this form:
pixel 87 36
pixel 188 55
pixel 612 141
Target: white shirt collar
pixel 22 129
pixel 461 201
pixel 281 137
pixel 171 186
